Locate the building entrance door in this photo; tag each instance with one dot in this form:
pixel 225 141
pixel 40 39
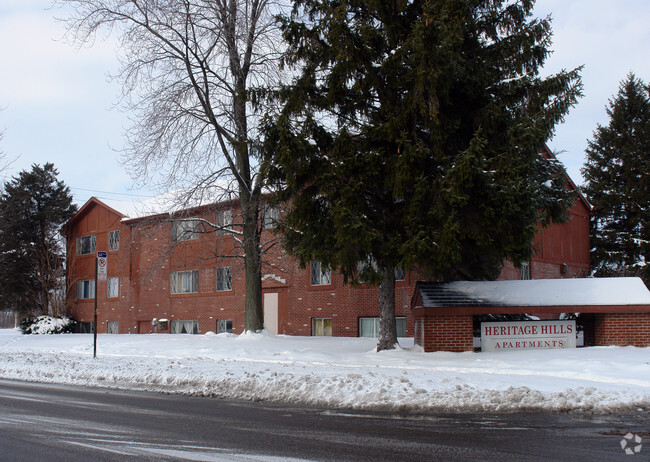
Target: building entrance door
pixel 271 312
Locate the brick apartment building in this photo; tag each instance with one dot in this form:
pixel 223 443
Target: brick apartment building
pixel 165 275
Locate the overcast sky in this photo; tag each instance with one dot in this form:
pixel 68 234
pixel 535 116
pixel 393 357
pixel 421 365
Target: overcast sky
pixel 58 105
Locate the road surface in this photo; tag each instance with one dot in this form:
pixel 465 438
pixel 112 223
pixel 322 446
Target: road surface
pixel 63 423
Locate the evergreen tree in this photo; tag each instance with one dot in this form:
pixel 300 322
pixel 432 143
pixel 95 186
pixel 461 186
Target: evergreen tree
pixel 33 207
pixel 617 174
pixel 411 138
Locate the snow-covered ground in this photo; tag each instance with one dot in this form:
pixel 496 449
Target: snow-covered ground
pixel 337 372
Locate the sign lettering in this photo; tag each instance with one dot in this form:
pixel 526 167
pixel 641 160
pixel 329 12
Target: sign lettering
pixel 521 335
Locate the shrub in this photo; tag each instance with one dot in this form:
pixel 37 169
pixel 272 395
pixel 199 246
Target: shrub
pixel 47 325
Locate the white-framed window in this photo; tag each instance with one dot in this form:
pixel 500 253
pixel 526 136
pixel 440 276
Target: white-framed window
pixel 113 288
pixel 224 221
pixel 113 327
pixel 185 229
pixel 320 276
pixel 271 215
pixel 224 278
pixel 369 327
pixel 365 269
pixel 185 327
pixel 85 290
pixel 321 327
pixel 525 271
pixel 114 240
pixel 224 326
pixel 367 266
pixel 184 282
pixel 86 244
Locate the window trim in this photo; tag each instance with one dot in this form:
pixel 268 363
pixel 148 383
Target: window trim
pixel 315 328
pixel 93 244
pixel 113 242
pixel 219 275
pixel 176 278
pixel 224 326
pixel 321 275
pixel 225 221
pixel 176 325
pixel 108 287
pixel 375 319
pixel 189 229
pixel 271 216
pixel 91 289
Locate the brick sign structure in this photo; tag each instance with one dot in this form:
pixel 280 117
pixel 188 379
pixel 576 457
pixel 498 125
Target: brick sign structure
pixel 612 311
pixel 526 335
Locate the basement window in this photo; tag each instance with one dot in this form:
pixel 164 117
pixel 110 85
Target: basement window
pixel 321 327
pixel 369 327
pixel 224 326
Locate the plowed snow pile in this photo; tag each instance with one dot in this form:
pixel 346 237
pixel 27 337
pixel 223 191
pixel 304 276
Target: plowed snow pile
pixel 337 372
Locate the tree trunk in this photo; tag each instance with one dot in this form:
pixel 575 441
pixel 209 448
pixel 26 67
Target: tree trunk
pixel 387 327
pixel 252 263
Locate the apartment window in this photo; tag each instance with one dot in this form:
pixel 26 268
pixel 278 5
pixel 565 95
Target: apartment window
pixel 224 326
pixel 320 276
pixel 369 327
pixel 184 282
pixel 114 240
pixel 185 327
pixel 321 327
pixel 366 268
pixel 185 229
pixel 113 287
pixel 224 278
pixel 271 215
pixel 86 244
pixel 85 289
pixel 113 327
pixel 224 221
pixel 525 271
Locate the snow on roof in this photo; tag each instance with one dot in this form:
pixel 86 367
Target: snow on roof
pixel 537 292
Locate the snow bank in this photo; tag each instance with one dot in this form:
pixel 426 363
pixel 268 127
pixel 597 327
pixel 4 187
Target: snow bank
pixel 337 372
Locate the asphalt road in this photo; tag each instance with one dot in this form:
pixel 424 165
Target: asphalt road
pixel 40 422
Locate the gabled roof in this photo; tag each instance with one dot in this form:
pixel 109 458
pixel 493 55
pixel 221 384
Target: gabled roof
pixel 548 154
pixel 87 207
pixel 534 293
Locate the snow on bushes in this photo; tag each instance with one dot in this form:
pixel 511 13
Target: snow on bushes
pixel 46 325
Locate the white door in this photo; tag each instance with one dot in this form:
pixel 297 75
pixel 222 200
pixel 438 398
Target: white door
pixel 271 312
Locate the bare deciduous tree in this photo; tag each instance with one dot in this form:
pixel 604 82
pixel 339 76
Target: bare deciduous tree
pixel 187 70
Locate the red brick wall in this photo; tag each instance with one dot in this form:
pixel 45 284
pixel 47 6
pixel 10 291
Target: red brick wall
pixel 147 257
pixel 622 329
pixel 444 333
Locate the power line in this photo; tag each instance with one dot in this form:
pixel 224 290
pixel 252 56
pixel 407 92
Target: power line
pixel 109 192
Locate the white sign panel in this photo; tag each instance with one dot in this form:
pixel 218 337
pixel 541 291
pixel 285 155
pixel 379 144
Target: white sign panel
pixel 525 335
pixel 102 266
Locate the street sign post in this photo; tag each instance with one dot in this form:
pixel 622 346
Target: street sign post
pixel 101 267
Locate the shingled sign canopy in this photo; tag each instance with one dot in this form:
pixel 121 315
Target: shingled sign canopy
pixel 616 309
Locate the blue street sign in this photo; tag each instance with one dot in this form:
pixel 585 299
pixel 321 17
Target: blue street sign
pixel 102 254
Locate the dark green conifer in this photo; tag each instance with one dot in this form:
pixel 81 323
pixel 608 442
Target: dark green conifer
pixel 411 137
pixel 33 207
pixel 617 174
